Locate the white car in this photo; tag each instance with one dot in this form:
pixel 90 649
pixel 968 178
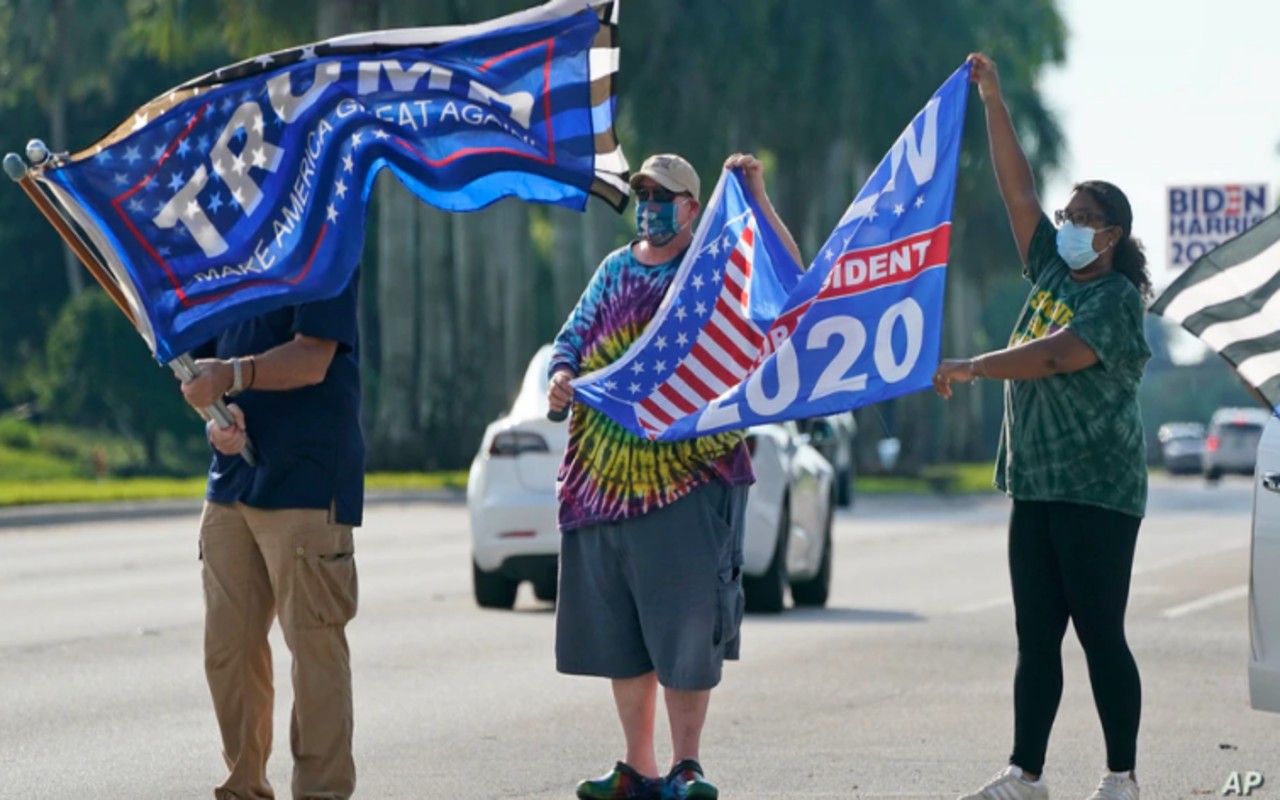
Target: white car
pixel 1264 588
pixel 512 504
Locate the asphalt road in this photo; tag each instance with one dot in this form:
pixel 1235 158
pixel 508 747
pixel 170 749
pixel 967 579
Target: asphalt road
pixel 901 688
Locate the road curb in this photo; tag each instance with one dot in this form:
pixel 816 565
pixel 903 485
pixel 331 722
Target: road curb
pixel 76 513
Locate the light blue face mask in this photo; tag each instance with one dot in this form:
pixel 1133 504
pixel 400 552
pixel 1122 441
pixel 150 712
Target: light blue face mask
pixel 1075 245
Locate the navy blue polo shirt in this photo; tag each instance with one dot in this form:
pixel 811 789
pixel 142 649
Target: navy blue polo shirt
pixel 309 444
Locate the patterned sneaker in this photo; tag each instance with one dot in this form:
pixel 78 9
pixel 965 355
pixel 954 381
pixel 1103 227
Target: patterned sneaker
pixel 624 783
pixel 1009 784
pixel 1116 786
pixel 686 782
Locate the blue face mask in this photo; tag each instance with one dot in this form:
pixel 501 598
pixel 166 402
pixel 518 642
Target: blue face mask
pixel 657 222
pixel 1075 245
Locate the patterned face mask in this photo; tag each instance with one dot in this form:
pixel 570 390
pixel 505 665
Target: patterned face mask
pixel 656 221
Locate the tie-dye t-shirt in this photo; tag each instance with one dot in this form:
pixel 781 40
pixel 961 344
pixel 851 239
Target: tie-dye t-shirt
pixel 1077 437
pixel 608 472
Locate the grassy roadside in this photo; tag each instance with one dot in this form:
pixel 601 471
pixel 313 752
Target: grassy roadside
pixel 948 478
pixel 937 479
pixel 80 490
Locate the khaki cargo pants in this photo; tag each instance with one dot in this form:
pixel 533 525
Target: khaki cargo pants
pixel 296 564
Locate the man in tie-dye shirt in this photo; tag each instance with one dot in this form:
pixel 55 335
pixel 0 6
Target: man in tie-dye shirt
pixel 651 554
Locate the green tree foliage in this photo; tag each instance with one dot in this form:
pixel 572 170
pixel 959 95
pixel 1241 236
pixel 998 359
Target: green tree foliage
pixel 453 305
pixel 99 374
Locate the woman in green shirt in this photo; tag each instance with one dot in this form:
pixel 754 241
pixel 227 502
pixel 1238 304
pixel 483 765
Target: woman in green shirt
pixel 1071 454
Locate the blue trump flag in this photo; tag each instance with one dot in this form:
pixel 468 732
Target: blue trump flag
pixel 863 324
pixel 246 189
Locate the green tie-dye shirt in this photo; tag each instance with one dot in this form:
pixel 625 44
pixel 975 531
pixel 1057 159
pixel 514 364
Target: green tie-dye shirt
pixel 1078 437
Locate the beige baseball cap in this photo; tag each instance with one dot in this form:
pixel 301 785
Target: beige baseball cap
pixel 669 171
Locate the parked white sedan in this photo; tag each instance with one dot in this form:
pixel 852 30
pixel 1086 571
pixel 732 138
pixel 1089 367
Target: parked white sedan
pixel 512 504
pixel 1264 575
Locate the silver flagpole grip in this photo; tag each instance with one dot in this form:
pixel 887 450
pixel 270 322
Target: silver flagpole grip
pixel 184 366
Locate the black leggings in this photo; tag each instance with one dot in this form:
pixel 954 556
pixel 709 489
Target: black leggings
pixel 1071 561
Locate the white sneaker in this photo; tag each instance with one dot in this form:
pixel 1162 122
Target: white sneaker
pixel 1116 786
pixel 1009 784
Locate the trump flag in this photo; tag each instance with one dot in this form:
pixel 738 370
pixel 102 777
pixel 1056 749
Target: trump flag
pixel 863 324
pixel 246 189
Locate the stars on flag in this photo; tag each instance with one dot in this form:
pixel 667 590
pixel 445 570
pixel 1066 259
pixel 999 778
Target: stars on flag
pixel 700 309
pixel 660 366
pixel 176 182
pixel 660 343
pixel 634 388
pixel 898 209
pixel 697 281
pixel 920 201
pixel 348 163
pixel 637 367
pixel 681 313
pixel 332 213
pixel 132 156
pixel 682 339
pixel 381 134
pixel 340 188
pixel 610 385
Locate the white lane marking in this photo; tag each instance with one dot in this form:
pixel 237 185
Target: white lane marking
pixel 1206 602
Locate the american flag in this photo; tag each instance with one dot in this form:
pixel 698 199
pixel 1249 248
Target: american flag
pixel 713 346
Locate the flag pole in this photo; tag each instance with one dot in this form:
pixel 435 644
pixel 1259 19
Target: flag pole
pixel 183 366
pixel 17 170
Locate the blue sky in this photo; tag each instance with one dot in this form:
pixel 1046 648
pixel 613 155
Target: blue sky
pixel 1159 93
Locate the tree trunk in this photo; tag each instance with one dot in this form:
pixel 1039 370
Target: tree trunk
pixel 439 329
pixel 58 144
pixel 395 429
pixel 336 17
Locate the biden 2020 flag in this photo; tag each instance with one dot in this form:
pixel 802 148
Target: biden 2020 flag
pixel 862 325
pixel 245 190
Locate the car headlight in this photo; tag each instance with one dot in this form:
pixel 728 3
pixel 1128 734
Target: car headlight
pixel 513 443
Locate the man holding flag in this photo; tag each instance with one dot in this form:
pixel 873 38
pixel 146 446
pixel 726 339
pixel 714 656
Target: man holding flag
pixel 276 539
pixel 650 564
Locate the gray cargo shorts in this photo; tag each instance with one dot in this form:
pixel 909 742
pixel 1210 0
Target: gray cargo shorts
pixel 660 592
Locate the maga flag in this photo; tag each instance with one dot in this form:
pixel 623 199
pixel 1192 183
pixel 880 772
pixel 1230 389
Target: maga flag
pixel 246 189
pixel 862 325
pixel 1230 299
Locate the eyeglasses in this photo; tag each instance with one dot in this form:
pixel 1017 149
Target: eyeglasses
pixel 1080 218
pixel 657 194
